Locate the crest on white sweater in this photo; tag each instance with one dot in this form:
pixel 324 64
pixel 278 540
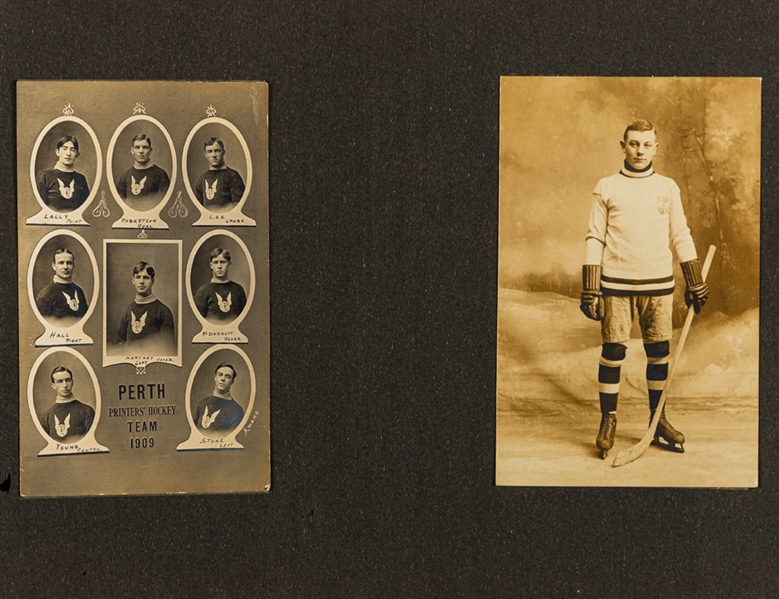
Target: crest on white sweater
pixel 663 205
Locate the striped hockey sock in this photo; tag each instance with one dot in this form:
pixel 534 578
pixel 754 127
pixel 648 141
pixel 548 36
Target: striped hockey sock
pixel 657 356
pixel 611 358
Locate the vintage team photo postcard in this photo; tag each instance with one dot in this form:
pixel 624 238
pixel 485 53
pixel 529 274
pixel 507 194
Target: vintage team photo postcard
pixel 144 337
pixel 628 282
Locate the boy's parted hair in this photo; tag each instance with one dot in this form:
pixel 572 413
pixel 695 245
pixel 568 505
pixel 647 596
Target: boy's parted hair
pixel 62 251
pixel 140 137
pixel 60 369
pixel 226 365
pixel 214 140
pixel 65 139
pixel 141 266
pixel 639 125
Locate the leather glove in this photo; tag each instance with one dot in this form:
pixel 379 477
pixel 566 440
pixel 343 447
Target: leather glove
pixel 591 303
pixel 697 291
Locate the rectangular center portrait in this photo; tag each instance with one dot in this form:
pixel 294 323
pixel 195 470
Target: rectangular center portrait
pixel 628 282
pixel 144 348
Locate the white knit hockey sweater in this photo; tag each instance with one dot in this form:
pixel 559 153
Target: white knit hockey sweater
pixel 635 220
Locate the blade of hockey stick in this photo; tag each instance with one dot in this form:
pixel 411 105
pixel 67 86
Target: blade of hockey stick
pixel 628 455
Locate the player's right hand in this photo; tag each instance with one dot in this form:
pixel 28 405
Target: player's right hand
pixel 592 304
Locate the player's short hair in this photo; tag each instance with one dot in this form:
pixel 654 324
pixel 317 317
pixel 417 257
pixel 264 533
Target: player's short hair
pixel 214 140
pixel 140 137
pixel 216 252
pixel 62 251
pixel 65 139
pixel 60 369
pixel 639 125
pixel 141 266
pixel 226 365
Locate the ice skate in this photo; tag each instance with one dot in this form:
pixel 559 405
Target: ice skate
pixel 666 436
pixel 608 428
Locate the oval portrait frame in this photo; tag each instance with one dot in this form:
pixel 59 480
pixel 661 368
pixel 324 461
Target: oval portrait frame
pixel 233 324
pixel 95 274
pixel 229 440
pixel 110 159
pixel 185 172
pixel 98 156
pixel 31 385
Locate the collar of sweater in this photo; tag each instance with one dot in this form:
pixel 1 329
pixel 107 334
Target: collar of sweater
pixel 633 173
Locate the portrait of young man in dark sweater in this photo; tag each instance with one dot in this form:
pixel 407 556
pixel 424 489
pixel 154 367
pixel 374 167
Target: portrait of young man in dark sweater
pixel 219 413
pixel 220 188
pixel 221 300
pixel 147 325
pixel 62 302
pixel 144 184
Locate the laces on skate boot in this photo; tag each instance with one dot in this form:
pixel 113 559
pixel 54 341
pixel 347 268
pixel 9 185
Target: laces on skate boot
pixel 608 429
pixel 667 437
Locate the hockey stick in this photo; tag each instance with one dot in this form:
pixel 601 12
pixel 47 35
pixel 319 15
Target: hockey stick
pixel 628 455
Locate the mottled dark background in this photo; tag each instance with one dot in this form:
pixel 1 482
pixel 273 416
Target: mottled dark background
pixel 384 223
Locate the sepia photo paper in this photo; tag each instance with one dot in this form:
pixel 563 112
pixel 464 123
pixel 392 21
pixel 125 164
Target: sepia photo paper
pixel 144 337
pixel 628 282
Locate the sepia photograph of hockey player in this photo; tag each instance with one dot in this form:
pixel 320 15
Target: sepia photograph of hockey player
pixel 65 169
pixel 219 413
pixel 147 324
pixel 142 306
pixel 220 399
pixel 63 281
pixel 219 278
pixel 68 419
pixel 144 184
pixel 220 300
pixel 62 298
pixel 61 187
pixel 220 188
pixel 63 401
pixel 628 282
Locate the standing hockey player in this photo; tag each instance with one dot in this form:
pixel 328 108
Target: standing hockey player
pixel 147 325
pixel 62 188
pixel 220 300
pixel 220 188
pixel 636 217
pixel 62 300
pixel 68 419
pixel 144 180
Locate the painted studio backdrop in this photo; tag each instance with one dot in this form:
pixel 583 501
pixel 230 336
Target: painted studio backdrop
pixel 559 137
pixel 144 315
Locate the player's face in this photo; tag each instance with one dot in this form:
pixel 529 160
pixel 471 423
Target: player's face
pixel 67 153
pixel 223 379
pixel 220 267
pixel 639 148
pixel 215 155
pixel 63 384
pixel 63 265
pixel 141 151
pixel 143 283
